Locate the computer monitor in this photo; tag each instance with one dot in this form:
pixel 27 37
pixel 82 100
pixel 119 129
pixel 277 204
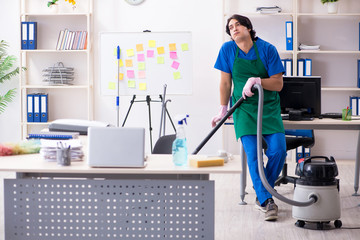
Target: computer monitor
pixel 300 97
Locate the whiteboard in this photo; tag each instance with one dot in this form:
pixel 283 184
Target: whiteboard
pixel 148 61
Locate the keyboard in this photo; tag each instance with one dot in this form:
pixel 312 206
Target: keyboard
pixel 331 115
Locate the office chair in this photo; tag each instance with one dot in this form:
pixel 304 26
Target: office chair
pixel 294 139
pixel 164 144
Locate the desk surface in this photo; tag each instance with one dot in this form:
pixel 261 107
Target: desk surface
pixel 156 164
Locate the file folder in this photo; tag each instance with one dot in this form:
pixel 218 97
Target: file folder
pixel 299 153
pixel 300 66
pixel 32 30
pixel 358 72
pixel 24 35
pixel 308 67
pixel 354 105
pixel 289 35
pixel 37 108
pixel 306 152
pixel 44 107
pixel 30 108
pixel 288 67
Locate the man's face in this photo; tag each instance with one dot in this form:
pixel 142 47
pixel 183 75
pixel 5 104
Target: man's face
pixel 237 31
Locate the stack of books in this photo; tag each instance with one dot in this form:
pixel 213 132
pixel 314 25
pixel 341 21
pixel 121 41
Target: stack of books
pixel 72 40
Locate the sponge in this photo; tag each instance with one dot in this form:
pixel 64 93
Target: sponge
pixel 206 162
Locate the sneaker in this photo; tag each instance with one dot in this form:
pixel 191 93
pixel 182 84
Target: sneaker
pixel 259 207
pixel 271 213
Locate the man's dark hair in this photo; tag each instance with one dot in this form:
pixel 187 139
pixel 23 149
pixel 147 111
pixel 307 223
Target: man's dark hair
pixel 244 21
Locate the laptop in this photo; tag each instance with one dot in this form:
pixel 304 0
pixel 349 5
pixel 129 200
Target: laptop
pixel 116 147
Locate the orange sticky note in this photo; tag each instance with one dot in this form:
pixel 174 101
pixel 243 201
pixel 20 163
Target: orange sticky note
pixel 161 50
pixel 139 47
pixel 172 46
pixel 121 76
pixel 128 63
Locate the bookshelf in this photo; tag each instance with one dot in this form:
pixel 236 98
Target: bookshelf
pixel 61 98
pixel 335 62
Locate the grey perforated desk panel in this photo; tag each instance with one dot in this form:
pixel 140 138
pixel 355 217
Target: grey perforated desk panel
pixel 161 201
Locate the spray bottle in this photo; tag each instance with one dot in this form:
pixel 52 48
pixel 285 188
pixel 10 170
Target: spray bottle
pixel 179 146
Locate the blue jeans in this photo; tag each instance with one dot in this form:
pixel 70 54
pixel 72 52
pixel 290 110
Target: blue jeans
pixel 276 153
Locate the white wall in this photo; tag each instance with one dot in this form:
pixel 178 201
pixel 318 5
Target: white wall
pixel 204 19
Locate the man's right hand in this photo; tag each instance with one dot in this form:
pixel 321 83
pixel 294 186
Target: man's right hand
pixel 220 115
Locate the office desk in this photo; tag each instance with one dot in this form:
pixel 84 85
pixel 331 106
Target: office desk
pixel 160 201
pixel 324 124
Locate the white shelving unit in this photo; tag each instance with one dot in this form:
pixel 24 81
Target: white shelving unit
pixel 336 62
pixel 64 101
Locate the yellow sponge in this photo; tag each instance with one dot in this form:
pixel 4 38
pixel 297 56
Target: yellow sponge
pixel 206 162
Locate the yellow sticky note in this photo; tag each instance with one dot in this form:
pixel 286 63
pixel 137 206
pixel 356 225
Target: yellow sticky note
pixel 128 63
pixel 130 52
pixel 141 66
pixel 177 75
pixel 121 63
pixel 172 46
pixel 152 43
pixel 121 76
pixel 131 84
pixel 139 47
pixel 142 86
pixel 115 52
pixel 160 60
pixel 111 86
pixel 185 47
pixel 161 50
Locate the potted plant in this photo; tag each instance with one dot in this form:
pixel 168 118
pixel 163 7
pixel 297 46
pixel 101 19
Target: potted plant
pixel 332 5
pixel 6 73
pixel 53 5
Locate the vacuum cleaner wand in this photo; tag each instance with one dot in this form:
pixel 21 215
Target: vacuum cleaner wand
pixel 228 114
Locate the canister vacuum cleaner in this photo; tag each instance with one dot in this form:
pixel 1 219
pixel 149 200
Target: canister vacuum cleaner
pixel 316 192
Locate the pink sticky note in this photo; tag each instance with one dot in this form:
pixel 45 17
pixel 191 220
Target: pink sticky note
pixel 142 74
pixel 173 55
pixel 130 74
pixel 141 57
pixel 150 53
pixel 175 65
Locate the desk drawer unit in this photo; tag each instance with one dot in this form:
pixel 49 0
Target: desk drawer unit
pixel 47 209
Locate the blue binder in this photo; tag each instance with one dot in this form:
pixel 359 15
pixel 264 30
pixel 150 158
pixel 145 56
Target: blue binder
pixel 44 107
pixel 308 67
pixel 24 35
pixel 30 108
pixel 299 153
pixel 354 105
pixel 37 107
pixel 32 33
pixel 300 67
pixel 307 152
pixel 289 35
pixel 358 72
pixel 288 67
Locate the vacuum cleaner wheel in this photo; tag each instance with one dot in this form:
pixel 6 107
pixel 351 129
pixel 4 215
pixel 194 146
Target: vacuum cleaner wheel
pixel 319 225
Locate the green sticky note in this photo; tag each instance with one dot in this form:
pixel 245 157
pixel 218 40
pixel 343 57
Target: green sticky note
pixel 160 60
pixel 177 75
pixel 141 66
pixel 131 84
pixel 111 85
pixel 185 47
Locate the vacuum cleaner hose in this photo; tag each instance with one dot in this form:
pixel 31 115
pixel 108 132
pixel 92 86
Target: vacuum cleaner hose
pixel 312 198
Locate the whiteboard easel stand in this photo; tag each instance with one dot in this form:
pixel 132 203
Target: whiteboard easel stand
pixel 163 115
